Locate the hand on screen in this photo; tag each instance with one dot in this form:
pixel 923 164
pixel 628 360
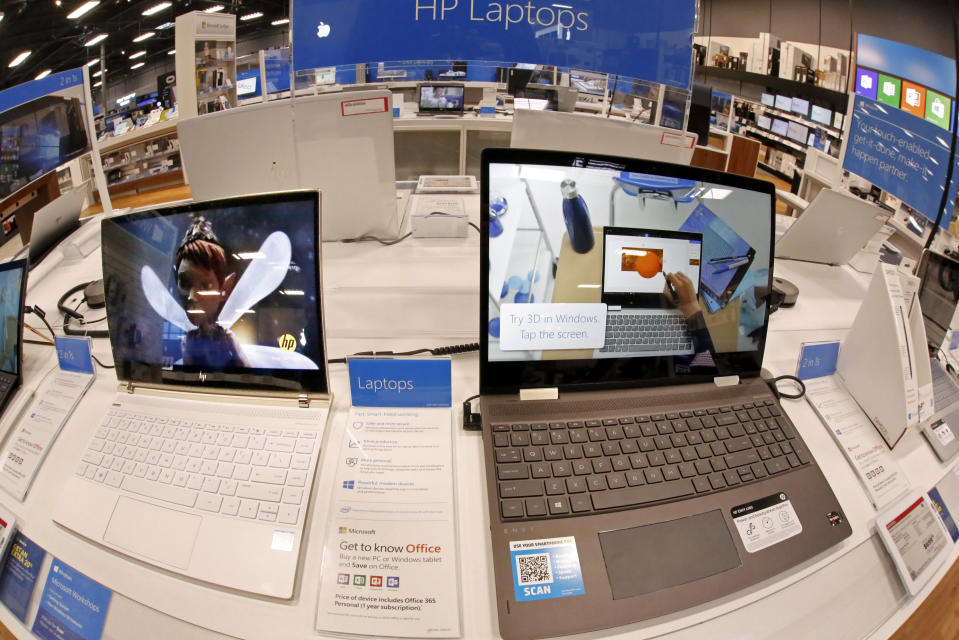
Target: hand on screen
pixel 685 293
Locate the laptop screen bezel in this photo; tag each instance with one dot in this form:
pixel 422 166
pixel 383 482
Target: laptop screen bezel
pixel 606 373
pixel 314 382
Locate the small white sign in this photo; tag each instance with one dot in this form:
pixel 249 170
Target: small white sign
pixel 531 327
pixel 943 432
pixel 364 107
pixel 765 522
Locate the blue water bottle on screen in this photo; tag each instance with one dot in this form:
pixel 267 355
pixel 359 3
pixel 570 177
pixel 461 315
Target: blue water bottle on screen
pixel 576 216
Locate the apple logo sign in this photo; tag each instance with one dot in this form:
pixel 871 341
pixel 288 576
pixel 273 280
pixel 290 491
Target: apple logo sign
pixel 322 30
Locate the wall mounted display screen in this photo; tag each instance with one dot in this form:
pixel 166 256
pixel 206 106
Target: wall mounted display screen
pixel 42 126
pixel 764 122
pixel 780 126
pixel 822 115
pixel 588 82
pixel 646 39
pixel 784 102
pixel 797 132
pixel 800 106
pixel 769 100
pixel 248 83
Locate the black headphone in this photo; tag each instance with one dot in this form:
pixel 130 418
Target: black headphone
pixel 93 296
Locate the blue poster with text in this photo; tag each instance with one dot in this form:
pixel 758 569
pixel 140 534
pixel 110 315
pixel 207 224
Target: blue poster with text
pixel 19 576
pixel 902 154
pixel 646 39
pixel 401 382
pixel 73 606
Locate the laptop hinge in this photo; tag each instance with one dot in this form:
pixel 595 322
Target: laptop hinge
pixel 551 393
pixel 726 381
pixel 303 401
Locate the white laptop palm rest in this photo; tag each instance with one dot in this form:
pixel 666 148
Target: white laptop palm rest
pixel 832 229
pixel 204 463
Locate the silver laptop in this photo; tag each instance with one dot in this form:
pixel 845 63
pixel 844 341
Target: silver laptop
pixel 203 464
pixel 627 488
pixel 832 229
pixel 52 223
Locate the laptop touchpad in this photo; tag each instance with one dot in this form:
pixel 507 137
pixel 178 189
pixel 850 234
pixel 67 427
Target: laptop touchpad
pixel 657 556
pixel 153 532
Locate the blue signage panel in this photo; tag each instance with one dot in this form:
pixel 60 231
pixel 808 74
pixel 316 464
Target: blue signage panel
pixel 410 382
pixel 647 39
pixel 15 96
pixel 817 360
pixel 19 575
pixel 276 66
pixel 900 153
pixel 73 607
pixel 74 354
pixel 912 63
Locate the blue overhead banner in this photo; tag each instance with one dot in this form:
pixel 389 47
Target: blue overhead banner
pixel 646 39
pixel 902 154
pixel 912 63
pixel 15 96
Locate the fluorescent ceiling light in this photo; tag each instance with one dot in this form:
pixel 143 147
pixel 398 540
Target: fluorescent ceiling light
pixel 82 9
pixel 97 83
pixel 95 40
pixel 171 52
pixel 98 73
pixel 157 8
pixel 93 62
pixel 277 23
pixel 214 9
pixel 137 65
pixel 43 74
pixel 138 54
pixel 1 16
pixel 144 36
pixel 252 16
pixel 165 25
pixel 20 58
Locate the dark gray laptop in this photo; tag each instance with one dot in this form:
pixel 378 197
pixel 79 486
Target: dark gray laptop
pixel 626 488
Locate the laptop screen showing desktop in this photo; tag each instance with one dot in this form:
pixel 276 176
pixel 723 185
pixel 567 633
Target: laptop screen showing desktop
pixel 576 242
pixel 12 278
pixel 441 98
pixel 221 293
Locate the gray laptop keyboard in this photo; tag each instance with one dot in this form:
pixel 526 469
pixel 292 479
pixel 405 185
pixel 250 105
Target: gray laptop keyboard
pixel 639 332
pixel 232 470
pixel 558 469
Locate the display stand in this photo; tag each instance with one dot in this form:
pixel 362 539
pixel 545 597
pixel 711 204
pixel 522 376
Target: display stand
pixel 879 363
pixel 205 52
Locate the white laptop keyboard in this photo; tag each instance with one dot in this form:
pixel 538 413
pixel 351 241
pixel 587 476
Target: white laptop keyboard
pixel 238 471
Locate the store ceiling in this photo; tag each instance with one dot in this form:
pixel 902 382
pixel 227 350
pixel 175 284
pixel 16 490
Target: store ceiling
pixel 57 43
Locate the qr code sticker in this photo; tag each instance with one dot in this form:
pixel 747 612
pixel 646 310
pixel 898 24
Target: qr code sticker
pixel 534 569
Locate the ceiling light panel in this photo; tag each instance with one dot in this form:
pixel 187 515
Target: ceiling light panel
pixel 82 10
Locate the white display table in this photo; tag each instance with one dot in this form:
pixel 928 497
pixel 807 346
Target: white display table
pixel 425 293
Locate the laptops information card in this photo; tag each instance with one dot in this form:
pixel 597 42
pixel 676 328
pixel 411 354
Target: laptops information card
pixel 390 565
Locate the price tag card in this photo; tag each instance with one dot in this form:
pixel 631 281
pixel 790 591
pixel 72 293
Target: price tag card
pixel 75 354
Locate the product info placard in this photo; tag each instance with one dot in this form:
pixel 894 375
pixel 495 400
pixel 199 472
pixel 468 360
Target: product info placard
pixel 390 565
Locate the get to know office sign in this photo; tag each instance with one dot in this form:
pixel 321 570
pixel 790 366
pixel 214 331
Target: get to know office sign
pixel 647 39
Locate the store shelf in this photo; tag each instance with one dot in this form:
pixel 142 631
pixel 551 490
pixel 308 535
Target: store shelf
pixel 138 135
pixel 111 167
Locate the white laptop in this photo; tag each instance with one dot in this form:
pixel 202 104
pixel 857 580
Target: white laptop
pixel 832 229
pixel 42 230
pixel 204 462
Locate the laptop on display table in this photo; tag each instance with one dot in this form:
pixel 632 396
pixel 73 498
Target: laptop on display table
pixel 441 99
pixel 13 286
pixel 204 462
pixel 629 485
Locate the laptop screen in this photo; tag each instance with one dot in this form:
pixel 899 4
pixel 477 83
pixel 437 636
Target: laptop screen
pixel 221 293
pixel 572 242
pixel 938 295
pixel 439 98
pixel 12 285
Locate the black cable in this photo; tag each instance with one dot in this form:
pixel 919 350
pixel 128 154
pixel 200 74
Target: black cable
pixel 105 366
pixel 435 351
pixel 475 227
pixel 37 311
pixel 471 421
pixel 774 385
pixel 368 238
